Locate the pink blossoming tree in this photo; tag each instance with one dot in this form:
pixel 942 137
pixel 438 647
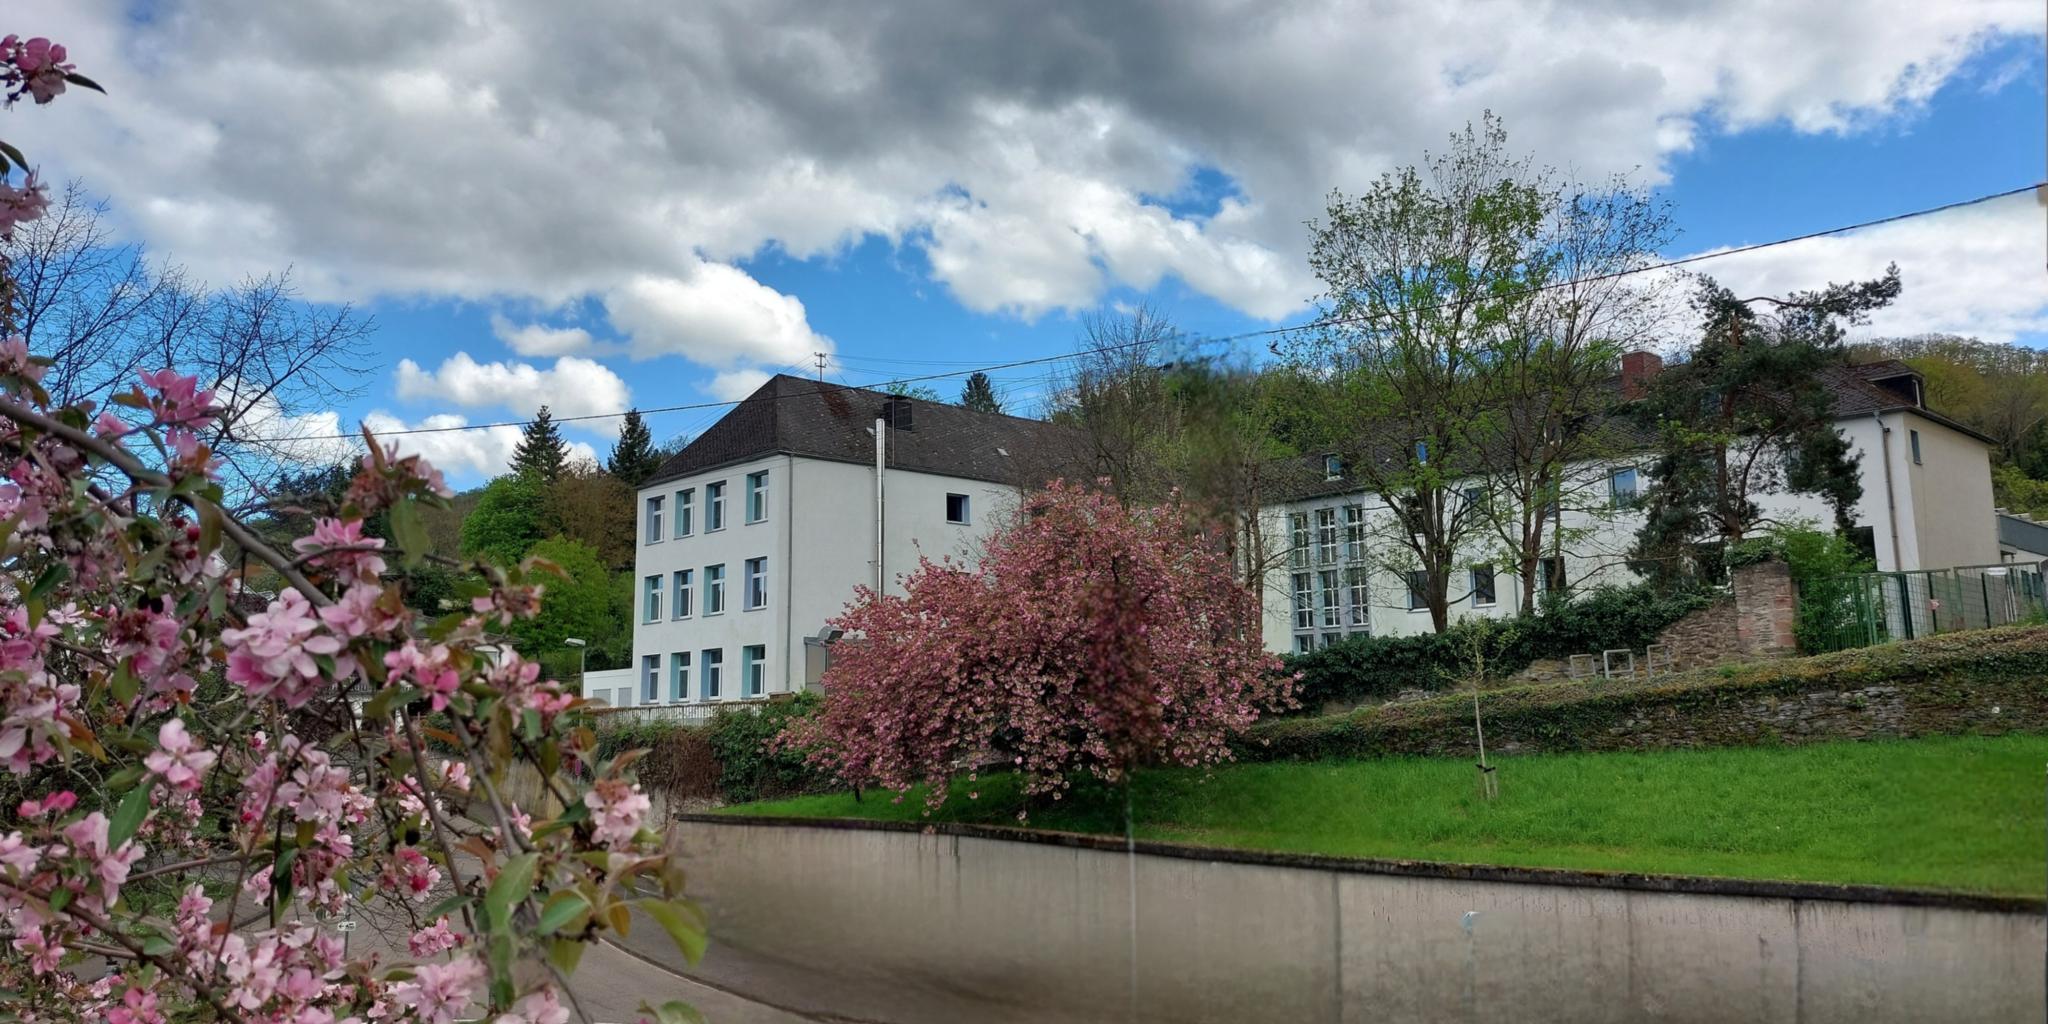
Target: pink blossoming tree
pixel 198 779
pixel 1091 638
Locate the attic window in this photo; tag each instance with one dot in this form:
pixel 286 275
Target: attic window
pixel 898 412
pixel 1333 467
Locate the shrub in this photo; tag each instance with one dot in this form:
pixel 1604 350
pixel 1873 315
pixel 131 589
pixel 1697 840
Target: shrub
pixel 1367 667
pixel 1823 564
pixel 749 768
pixel 1944 684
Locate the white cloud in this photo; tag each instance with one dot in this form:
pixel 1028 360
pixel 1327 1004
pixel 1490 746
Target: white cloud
pixel 540 339
pixel 537 152
pixel 1975 271
pixel 574 386
pixel 474 453
pixel 733 385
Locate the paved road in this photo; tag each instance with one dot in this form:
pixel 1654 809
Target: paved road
pixel 611 984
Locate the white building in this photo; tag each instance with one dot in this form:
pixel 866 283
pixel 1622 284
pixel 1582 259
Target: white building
pixel 760 530
pixel 1926 504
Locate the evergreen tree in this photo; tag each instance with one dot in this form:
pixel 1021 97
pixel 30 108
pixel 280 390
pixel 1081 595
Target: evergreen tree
pixel 979 395
pixel 541 453
pixel 633 458
pixel 1747 415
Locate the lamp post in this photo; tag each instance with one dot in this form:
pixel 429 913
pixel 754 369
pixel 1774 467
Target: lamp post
pixel 582 659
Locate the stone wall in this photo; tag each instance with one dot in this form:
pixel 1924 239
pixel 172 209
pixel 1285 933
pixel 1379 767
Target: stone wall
pixel 1754 620
pixel 1766 607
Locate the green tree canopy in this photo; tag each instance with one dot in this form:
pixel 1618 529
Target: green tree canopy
pixel 579 604
pixel 541 453
pixel 979 394
pixel 509 519
pixel 633 458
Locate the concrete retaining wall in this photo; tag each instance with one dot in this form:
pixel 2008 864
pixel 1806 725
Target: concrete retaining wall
pixel 971 924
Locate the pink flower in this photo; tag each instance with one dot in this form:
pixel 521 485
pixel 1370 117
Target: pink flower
pixel 427 668
pixel 275 653
pixel 439 993
pixel 434 940
pixel 15 360
pixel 56 803
pixel 178 758
pixel 344 547
pixel 178 400
pixel 616 807
pixel 541 1006
pixel 39 67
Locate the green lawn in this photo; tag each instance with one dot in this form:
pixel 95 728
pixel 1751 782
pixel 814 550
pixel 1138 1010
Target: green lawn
pixel 1963 813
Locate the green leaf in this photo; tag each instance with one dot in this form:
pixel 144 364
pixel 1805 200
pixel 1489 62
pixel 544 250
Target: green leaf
pixel 683 922
pixel 675 1011
pixel 128 816
pixel 14 155
pixel 409 531
pixel 126 686
pixel 158 946
pixel 57 573
pixel 80 80
pixel 565 954
pixel 529 722
pixel 561 909
pixel 511 886
pixel 446 907
pixel 498 950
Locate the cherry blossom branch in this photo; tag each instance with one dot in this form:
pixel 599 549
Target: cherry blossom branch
pixel 133 468
pixel 188 865
pixel 134 948
pixel 441 830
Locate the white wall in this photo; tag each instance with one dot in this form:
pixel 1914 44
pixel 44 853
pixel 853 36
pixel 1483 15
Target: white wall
pixel 819 538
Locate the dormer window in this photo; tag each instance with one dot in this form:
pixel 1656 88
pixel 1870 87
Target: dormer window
pixel 1333 467
pixel 1422 452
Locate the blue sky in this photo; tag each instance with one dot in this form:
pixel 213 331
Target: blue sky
pixel 942 193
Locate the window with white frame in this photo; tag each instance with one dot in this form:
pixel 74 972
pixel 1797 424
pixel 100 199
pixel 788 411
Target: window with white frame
pixel 650 678
pixel 679 596
pixel 757 496
pixel 756 593
pixel 714 589
pixel 679 676
pixel 1326 535
pixel 1304 643
pixel 1622 487
pixel 1297 555
pixel 1333 467
pixel 1470 499
pixel 1418 590
pixel 956 508
pixel 754 669
pixel 710 667
pixel 1482 586
pixel 651 610
pixel 1550 575
pixel 654 519
pixel 714 506
pixel 685 498
pixel 1331 595
pixel 1914 436
pixel 1354 533
pixel 1304 601
pixel 1359 599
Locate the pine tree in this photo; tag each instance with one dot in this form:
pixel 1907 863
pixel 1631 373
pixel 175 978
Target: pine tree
pixel 979 395
pixel 633 458
pixel 542 453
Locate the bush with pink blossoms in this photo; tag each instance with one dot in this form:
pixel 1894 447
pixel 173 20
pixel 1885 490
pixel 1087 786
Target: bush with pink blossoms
pixel 1091 638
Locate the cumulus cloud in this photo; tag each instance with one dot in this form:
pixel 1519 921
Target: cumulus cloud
pixel 540 339
pixel 733 385
pixel 536 151
pixel 481 452
pixel 574 386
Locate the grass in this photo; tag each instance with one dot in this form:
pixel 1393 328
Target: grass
pixel 1956 813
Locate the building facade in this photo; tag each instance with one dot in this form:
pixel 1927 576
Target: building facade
pixel 767 525
pixel 1926 503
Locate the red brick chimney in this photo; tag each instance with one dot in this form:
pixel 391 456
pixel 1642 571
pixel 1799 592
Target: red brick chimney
pixel 1637 370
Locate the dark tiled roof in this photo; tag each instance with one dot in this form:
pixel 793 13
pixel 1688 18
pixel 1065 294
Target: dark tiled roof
pixel 795 416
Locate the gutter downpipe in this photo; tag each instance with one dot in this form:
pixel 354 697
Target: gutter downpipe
pixel 881 434
pixel 1891 504
pixel 789 584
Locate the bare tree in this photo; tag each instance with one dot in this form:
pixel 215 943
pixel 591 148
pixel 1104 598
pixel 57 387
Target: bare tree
pixel 1116 395
pixel 102 312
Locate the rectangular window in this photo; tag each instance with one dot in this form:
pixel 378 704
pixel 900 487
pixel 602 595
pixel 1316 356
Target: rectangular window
pixel 754 669
pixel 1304 598
pixel 652 609
pixel 1469 500
pixel 1418 590
pixel 650 678
pixel 1298 525
pixel 757 583
pixel 654 519
pixel 1326 535
pixel 714 506
pixel 1333 467
pixel 1422 452
pixel 685 498
pixel 623 698
pixel 1354 533
pixel 1550 575
pixel 757 496
pixel 1482 586
pixel 679 676
pixel 680 599
pixel 1304 643
pixel 956 508
pixel 710 667
pixel 1621 488
pixel 1359 597
pixel 1331 596
pixel 714 589
pixel 1915 436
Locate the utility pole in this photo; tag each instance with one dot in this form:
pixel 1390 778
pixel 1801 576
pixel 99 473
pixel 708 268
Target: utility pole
pixel 819 357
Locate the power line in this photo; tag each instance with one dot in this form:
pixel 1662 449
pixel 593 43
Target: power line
pixel 1231 339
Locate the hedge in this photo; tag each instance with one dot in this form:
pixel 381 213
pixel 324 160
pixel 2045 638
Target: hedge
pixel 1372 666
pixel 1990 681
pixel 726 760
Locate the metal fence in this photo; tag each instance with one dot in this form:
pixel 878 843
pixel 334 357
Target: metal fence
pixel 1861 609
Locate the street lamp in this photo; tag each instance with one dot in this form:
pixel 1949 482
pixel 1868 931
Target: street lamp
pixel 582 658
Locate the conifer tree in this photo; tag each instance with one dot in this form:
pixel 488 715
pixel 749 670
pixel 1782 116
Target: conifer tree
pixel 542 453
pixel 633 458
pixel 979 395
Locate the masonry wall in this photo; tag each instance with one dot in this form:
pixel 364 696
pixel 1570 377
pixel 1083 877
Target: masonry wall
pixel 946 924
